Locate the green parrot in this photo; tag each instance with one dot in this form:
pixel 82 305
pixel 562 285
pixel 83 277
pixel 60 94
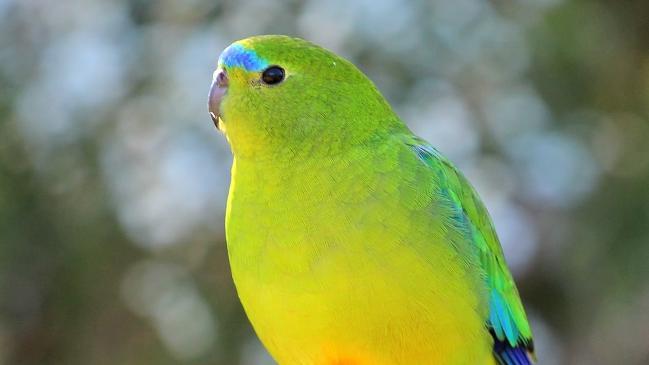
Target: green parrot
pixel 351 240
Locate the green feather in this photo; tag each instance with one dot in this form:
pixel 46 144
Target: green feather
pixel 506 314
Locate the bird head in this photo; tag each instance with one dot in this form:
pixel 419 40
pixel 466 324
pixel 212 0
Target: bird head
pixel 274 95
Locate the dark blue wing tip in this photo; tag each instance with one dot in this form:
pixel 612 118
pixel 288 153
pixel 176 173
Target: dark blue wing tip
pixel 520 354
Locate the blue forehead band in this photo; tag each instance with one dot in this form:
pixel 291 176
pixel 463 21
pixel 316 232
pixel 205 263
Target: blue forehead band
pixel 236 55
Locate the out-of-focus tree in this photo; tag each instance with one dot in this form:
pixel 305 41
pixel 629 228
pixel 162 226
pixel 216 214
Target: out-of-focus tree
pixel 113 181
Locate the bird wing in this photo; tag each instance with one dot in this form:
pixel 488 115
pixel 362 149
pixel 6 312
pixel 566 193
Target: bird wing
pixel 507 321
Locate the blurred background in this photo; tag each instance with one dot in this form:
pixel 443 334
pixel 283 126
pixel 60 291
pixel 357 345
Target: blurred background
pixel 113 179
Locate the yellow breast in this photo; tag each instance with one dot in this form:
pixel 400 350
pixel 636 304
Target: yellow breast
pixel 355 274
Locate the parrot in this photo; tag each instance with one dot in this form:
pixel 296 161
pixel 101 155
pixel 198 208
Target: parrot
pixel 352 241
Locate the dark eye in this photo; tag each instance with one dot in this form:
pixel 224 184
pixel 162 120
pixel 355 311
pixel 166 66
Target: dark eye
pixel 272 75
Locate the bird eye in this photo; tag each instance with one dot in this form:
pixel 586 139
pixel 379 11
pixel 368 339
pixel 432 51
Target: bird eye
pixel 272 75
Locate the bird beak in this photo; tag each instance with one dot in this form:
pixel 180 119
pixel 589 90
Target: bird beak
pixel 217 90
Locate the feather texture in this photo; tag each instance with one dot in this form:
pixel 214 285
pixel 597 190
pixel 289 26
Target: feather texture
pixel 507 321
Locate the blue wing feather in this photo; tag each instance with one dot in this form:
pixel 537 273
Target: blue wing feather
pixel 508 355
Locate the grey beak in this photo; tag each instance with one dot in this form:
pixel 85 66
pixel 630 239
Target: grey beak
pixel 217 90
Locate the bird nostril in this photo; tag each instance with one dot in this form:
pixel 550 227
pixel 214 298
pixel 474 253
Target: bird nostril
pixel 222 79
